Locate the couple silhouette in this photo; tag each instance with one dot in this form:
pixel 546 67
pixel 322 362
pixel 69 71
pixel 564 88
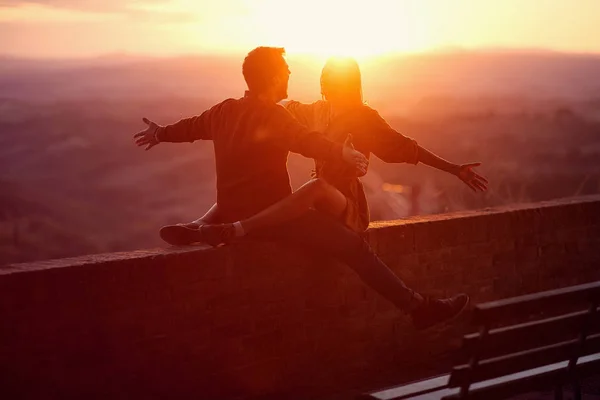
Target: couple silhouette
pixel 252 137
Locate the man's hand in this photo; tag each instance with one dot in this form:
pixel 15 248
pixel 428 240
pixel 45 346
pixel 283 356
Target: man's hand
pixel 354 157
pixel 471 178
pixel 147 137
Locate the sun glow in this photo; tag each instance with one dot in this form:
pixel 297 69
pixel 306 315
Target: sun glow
pixel 316 28
pixel 341 27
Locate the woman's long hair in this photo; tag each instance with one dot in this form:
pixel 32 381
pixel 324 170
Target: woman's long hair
pixel 341 81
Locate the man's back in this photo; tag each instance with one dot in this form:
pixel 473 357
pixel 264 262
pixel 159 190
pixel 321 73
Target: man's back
pixel 252 139
pixel 251 168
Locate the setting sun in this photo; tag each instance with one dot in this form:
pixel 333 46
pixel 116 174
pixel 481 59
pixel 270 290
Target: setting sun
pixel 339 28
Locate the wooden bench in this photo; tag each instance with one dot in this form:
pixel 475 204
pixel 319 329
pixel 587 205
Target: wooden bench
pixel 542 341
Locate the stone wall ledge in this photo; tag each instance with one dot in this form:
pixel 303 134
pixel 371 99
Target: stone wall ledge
pixel 411 234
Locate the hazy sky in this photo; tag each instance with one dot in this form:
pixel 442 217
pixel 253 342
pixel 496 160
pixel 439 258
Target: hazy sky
pixel 76 28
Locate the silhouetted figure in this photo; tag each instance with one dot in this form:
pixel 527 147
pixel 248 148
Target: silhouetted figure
pixel 336 189
pixel 252 137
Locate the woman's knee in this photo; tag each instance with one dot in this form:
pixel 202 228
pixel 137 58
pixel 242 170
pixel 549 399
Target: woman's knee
pixel 314 190
pixel 318 186
pixel 327 198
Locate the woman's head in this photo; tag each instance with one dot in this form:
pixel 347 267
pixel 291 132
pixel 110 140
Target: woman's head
pixel 341 81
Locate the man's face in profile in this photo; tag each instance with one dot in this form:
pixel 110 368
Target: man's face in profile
pixel 281 82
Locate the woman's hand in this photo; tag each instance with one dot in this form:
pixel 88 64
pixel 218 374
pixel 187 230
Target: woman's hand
pixel 471 178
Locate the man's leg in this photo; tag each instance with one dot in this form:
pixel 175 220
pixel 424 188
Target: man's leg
pixel 185 233
pixel 321 234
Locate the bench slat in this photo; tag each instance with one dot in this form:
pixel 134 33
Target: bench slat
pixel 539 378
pixel 501 310
pixel 528 335
pixel 524 360
pixel 497 388
pixel 409 390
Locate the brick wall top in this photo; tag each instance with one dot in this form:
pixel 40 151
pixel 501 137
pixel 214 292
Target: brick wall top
pixel 420 233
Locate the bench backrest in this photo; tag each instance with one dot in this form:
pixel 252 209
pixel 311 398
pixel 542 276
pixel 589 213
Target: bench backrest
pixel 517 334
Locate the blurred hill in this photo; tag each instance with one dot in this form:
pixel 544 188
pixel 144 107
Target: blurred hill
pixel 72 181
pixel 402 77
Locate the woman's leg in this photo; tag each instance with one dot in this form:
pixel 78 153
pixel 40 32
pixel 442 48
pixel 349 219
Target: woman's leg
pixel 316 194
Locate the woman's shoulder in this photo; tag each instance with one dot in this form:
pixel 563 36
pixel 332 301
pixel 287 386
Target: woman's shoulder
pixel 315 115
pixel 370 116
pixel 292 105
pixel 368 111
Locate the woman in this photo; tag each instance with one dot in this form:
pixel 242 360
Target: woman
pixel 336 189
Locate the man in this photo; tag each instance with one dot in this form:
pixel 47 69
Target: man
pixel 252 137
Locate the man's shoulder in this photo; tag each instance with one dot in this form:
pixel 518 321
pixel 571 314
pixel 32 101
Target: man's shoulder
pixel 221 105
pixel 228 102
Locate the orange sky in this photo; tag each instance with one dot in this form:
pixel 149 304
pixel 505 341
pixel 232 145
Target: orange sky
pixel 79 28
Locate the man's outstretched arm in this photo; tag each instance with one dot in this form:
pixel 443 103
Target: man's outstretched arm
pixel 289 134
pixel 185 130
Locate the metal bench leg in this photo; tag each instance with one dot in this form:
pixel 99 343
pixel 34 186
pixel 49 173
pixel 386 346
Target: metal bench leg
pixel 577 390
pixel 558 392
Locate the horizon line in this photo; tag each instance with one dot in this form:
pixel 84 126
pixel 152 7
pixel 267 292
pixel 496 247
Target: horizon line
pixel 234 53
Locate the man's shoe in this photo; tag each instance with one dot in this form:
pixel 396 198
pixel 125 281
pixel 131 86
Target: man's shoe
pixel 436 311
pixel 181 234
pixel 218 234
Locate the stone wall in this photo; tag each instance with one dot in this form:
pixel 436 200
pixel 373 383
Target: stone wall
pixel 265 321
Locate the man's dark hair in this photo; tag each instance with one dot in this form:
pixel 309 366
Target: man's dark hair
pixel 261 65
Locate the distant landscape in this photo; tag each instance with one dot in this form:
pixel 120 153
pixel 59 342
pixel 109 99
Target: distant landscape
pixel 72 182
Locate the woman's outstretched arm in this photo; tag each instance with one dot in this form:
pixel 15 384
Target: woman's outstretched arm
pixel 391 146
pixel 464 171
